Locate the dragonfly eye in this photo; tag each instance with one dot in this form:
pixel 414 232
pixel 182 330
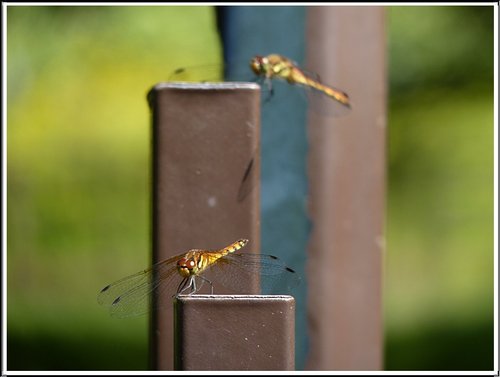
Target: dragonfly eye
pixel 257 64
pixel 185 263
pixel 186 267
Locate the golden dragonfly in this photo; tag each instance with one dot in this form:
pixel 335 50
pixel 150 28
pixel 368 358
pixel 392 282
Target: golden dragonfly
pixel 279 67
pixel 189 271
pixel 269 68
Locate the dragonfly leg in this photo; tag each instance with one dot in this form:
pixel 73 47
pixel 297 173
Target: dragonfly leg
pixel 182 285
pixel 186 283
pixel 209 282
pixel 265 81
pixel 190 283
pixel 270 90
pixel 193 285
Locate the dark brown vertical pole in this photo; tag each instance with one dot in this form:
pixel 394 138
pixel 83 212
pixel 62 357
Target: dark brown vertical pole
pixel 346 45
pixel 206 169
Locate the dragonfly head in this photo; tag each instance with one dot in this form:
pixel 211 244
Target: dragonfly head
pixel 258 64
pixel 187 267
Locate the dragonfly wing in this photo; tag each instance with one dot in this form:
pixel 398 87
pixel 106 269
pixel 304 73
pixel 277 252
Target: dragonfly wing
pixel 327 101
pixel 200 73
pixel 322 98
pixel 241 272
pixel 248 180
pixel 234 71
pixel 320 103
pixel 311 75
pixel 239 71
pixel 132 295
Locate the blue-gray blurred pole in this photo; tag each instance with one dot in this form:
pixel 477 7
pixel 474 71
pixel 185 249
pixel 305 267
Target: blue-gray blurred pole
pixel 261 30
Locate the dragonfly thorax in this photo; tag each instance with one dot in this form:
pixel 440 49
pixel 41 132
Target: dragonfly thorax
pixel 272 66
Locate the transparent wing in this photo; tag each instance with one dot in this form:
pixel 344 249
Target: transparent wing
pixel 248 180
pixel 234 71
pixel 200 73
pixel 239 71
pixel 322 104
pixel 318 100
pixel 240 272
pixel 132 295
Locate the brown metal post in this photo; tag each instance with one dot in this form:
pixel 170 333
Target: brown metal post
pixel 234 332
pixel 346 45
pixel 206 169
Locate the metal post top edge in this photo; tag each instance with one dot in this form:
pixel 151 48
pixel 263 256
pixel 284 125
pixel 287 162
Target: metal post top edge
pixel 206 85
pixel 200 297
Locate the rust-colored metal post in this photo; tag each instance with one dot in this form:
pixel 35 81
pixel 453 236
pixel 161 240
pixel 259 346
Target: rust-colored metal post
pixel 347 179
pixel 234 332
pixel 206 167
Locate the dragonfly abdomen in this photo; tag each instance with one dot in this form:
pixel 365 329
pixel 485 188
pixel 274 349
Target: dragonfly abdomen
pixel 337 95
pixel 235 246
pixel 204 259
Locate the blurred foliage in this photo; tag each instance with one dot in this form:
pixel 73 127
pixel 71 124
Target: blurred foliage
pixel 439 46
pixel 78 179
pixel 78 170
pixel 439 262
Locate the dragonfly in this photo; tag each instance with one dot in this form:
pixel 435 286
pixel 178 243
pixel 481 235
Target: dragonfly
pixel 272 68
pixel 276 66
pixel 188 272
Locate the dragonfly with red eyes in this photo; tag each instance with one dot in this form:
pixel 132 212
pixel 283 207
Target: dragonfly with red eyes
pixel 324 99
pixel 188 272
pixel 273 67
pixel 276 66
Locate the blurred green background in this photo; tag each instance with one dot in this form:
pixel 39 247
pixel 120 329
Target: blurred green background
pixel 78 179
pixel 439 260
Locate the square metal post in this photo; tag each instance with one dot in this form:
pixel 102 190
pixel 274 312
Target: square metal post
pixel 205 173
pixel 234 332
